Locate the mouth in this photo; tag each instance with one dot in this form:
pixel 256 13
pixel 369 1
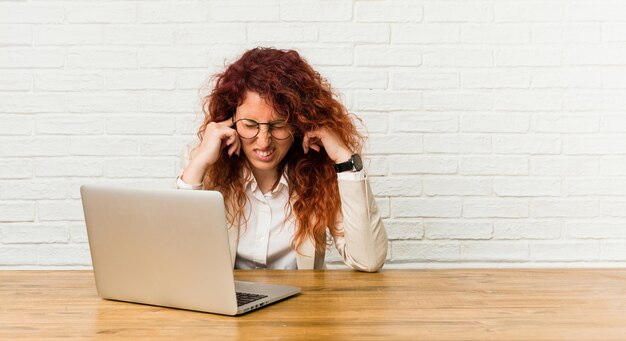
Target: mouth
pixel 264 154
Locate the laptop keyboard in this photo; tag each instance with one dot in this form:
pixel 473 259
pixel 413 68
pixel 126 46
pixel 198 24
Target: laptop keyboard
pixel 245 298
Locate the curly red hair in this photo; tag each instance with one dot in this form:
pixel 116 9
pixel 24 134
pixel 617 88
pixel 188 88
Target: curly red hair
pixel 305 99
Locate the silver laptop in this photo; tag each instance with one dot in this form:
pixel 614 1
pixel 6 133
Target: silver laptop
pixel 168 248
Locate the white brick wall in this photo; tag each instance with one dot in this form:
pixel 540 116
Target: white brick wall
pixel 497 129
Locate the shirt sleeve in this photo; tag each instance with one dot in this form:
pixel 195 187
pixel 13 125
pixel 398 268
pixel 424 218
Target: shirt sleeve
pixel 180 184
pixel 360 175
pixel 183 161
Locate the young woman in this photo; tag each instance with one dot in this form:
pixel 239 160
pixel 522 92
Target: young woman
pixel 284 153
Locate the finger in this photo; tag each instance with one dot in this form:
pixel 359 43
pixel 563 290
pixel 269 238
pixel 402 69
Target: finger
pixel 305 143
pixel 227 123
pixel 315 147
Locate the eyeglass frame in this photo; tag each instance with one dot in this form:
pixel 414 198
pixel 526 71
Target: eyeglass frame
pixel 270 127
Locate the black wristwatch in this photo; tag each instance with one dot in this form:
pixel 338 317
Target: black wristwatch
pixel 354 164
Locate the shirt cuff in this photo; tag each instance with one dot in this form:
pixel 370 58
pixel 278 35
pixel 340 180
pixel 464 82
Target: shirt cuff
pixel 180 184
pixel 360 175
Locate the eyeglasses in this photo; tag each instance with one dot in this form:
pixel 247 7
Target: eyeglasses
pixel 249 129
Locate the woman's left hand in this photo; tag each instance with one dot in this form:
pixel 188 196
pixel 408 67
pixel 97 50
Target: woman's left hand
pixel 327 139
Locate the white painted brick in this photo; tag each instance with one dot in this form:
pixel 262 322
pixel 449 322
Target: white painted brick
pixel 457 230
pixel 30 14
pixel 373 122
pixel 494 250
pixel 78 232
pixel 30 103
pixel 604 100
pixel 527 187
pixel 527 229
pixel 396 186
pixel 327 55
pixel 232 11
pixel 614 32
pixel 16 125
pixel 68 35
pixel 169 102
pixel 613 123
pixel 172 12
pixel 424 80
pixel 425 33
pixel 375 165
pixel 566 78
pixel 15 81
pixel 419 122
pixel 146 183
pixel 357 33
pixel 613 208
pixel 207 34
pixel 612 165
pixel 526 144
pixel 456 186
pixel 68 81
pixel 383 207
pixel 614 77
pixel 383 11
pixel 462 57
pixel 425 207
pixel 103 146
pixel 595 144
pixel 494 123
pixel 594 230
pixel 102 103
pixel 565 124
pixel 404 229
pixel 563 165
pixel 188 124
pixel 359 78
pixel 451 143
pixel 281 33
pixel 600 187
pixel 139 167
pixel 138 35
pixel 142 80
pixel 564 251
pixel 59 210
pixel 161 146
pixel 32 189
pixel 18 255
pixel 66 167
pixel 226 54
pixel 173 57
pixel 424 250
pixel 486 79
pixel 458 11
pixel 98 58
pixel 16 35
pixel 34 233
pixel 495 34
pixel 533 56
pixel 20 168
pixel 610 250
pixel 27 146
pixel 387 100
pixel 105 13
pixel 31 57
pixel 495 208
pixel 320 10
pixel 595 10
pixel 426 164
pixel 76 254
pixel 141 125
pixel 384 55
pixel 528 100
pixel 188 79
pixel 564 208
pixel 528 11
pixel 394 144
pixel 566 33
pixel 594 54
pixel 11 211
pixel 493 165
pixel 445 100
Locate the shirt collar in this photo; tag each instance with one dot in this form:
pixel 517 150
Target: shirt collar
pixel 250 181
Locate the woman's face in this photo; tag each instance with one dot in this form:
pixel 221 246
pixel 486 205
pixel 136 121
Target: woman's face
pixel 264 152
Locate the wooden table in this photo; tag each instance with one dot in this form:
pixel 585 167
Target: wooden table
pixel 337 305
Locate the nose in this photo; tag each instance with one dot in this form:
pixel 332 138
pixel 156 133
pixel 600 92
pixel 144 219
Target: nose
pixel 264 137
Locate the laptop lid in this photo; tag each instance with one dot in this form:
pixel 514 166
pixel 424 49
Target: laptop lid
pixel 160 247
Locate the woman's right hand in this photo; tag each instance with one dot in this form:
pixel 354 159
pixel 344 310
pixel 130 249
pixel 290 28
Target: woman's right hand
pixel 217 135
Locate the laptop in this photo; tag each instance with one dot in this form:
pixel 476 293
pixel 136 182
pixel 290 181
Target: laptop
pixel 168 248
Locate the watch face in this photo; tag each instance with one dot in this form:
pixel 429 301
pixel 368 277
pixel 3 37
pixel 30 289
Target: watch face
pixel 357 162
